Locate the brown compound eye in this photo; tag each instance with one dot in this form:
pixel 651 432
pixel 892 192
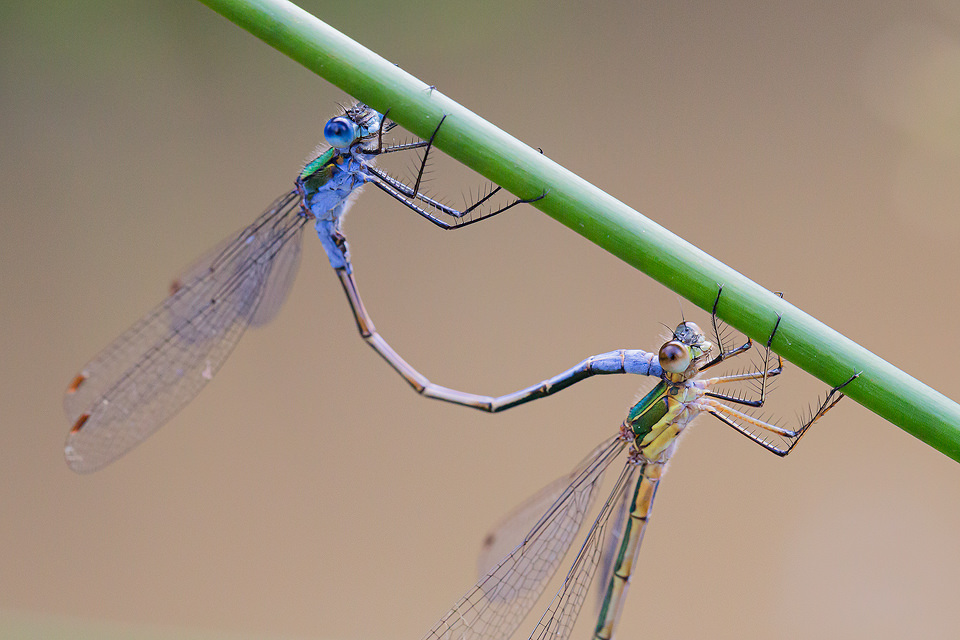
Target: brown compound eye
pixel 674 357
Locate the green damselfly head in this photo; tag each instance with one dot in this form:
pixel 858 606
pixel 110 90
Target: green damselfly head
pixel 688 345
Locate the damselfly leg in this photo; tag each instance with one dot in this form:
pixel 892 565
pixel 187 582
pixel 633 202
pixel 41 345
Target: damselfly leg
pixel 156 367
pixel 409 195
pixel 496 606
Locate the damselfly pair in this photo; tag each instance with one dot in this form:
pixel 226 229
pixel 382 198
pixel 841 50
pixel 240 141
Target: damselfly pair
pixel 147 374
pixel 495 607
pixel 159 364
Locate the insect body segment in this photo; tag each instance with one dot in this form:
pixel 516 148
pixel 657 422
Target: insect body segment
pixel 650 434
pixel 138 382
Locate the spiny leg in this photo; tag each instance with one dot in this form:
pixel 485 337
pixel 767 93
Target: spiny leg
pixel 407 191
pixel 427 145
pixel 829 402
pixel 414 192
pixel 423 161
pixel 761 374
pixel 739 420
pixel 404 193
pixel 380 149
pixel 723 355
pixel 718 335
pixel 391 186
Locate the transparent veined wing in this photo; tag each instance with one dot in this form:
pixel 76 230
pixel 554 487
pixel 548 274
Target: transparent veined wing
pixel 283 270
pixel 511 531
pixel 613 539
pixel 159 364
pixel 514 527
pixel 284 264
pixel 498 603
pixel 558 620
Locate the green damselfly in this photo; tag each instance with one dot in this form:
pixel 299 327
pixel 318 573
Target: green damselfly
pixel 495 607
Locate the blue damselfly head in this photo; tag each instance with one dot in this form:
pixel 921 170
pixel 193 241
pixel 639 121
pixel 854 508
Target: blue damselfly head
pixel 356 123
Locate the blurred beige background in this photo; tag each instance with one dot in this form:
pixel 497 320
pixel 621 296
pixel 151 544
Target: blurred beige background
pixel 307 493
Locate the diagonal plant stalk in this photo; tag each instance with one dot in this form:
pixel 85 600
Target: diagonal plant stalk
pixel 597 216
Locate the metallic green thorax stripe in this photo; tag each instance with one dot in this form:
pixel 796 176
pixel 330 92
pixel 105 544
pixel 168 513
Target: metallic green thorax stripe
pixel 651 409
pixel 652 422
pixel 321 163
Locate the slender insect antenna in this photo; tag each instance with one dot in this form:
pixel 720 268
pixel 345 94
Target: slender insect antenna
pixel 668 332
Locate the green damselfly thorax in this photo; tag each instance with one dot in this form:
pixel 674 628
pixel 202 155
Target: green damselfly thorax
pixel 495 607
pixel 139 381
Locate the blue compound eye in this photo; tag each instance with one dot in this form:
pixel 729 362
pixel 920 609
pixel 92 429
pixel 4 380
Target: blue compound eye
pixel 340 132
